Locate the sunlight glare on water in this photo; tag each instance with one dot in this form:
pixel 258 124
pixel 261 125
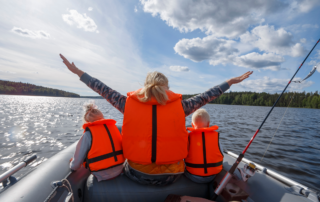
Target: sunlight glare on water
pixel 38 125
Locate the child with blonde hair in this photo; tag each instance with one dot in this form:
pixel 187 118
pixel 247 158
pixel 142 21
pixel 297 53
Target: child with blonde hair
pixel 205 157
pixel 100 147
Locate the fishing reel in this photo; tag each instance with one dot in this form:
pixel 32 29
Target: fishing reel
pixel 247 171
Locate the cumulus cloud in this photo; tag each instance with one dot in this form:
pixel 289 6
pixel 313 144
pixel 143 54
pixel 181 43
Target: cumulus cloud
pixel 215 50
pixel 40 34
pixel 219 18
pixel 135 9
pixel 258 61
pixel 266 38
pixel 273 85
pixel 305 6
pixel 90 9
pixel 81 21
pixel 222 51
pixel 179 68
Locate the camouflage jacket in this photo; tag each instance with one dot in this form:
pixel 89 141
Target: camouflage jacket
pixel 118 101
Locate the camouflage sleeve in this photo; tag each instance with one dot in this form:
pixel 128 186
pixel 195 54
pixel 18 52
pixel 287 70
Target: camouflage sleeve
pixel 192 104
pixel 113 97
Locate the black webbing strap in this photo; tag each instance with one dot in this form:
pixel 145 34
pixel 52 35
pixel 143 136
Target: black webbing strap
pixel 154 134
pixel 208 165
pixel 105 156
pixel 112 145
pixel 204 152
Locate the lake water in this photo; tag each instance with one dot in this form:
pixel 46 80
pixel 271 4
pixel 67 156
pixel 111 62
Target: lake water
pixel 45 126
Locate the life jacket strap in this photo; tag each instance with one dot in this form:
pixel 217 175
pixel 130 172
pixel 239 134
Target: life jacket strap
pixel 111 141
pixel 103 157
pixel 204 152
pixel 154 134
pixel 208 165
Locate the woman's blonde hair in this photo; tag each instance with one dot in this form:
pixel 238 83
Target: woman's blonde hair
pixel 92 113
pixel 155 86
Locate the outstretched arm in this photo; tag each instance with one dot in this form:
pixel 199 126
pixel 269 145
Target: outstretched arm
pixel 192 104
pixel 112 96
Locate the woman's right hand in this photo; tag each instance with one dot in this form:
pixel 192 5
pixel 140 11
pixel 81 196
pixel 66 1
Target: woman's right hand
pixel 72 67
pixel 239 78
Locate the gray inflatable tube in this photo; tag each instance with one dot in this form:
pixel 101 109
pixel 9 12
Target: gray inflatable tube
pixel 37 186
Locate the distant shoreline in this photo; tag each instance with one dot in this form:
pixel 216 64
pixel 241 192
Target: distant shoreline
pixel 100 97
pixel 27 89
pixel 92 97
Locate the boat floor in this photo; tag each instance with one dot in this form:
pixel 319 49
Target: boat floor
pixel 260 188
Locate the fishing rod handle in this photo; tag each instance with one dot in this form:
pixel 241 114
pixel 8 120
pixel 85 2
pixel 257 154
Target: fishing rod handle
pixel 222 185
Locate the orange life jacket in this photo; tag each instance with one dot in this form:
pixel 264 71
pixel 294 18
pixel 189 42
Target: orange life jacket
pixel 205 157
pixel 106 145
pixel 154 133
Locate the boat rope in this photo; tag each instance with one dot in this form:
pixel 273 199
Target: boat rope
pixel 277 127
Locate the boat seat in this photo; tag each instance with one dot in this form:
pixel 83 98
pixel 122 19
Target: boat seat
pixel 122 188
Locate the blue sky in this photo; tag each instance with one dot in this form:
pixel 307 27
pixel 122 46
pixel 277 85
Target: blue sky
pixel 196 44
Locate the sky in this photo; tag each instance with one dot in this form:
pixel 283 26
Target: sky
pixel 196 44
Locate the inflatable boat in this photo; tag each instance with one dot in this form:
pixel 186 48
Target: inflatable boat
pixel 53 181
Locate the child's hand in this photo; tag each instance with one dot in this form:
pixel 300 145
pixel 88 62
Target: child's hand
pixel 239 78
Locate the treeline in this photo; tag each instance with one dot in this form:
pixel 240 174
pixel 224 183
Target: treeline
pixel 18 88
pixel 303 100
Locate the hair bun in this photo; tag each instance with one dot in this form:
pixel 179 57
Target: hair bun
pixel 90 105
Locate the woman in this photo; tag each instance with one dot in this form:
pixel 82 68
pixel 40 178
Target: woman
pixel 154 134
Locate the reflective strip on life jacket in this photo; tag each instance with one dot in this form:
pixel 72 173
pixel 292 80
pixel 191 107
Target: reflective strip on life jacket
pixel 106 146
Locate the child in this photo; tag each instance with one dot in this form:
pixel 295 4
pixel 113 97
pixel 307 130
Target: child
pixel 205 157
pixel 100 147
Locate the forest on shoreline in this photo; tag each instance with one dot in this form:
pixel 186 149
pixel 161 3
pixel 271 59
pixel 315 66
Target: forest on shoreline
pixel 298 99
pixel 19 88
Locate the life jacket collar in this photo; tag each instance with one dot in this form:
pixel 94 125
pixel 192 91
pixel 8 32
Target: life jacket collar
pixel 171 95
pixel 208 129
pixel 99 122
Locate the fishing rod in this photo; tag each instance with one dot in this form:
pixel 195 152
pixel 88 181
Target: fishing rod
pixel 228 175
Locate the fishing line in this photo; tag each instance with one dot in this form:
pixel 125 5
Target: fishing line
pixel 277 127
pixel 308 76
pixel 227 177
